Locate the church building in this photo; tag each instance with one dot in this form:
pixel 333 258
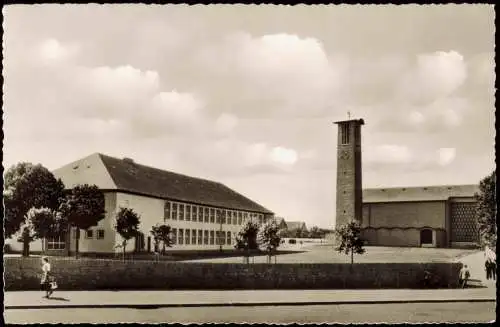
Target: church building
pixel 427 216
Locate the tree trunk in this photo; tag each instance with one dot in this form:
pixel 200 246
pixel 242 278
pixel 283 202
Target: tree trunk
pixel 26 247
pixel 164 248
pixel 124 245
pixel 352 256
pixel 77 241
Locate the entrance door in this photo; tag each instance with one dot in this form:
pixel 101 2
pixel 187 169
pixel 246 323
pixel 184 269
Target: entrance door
pixel 426 236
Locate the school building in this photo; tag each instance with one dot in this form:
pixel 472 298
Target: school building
pixel 203 214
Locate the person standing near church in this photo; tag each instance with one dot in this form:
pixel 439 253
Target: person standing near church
pixel 487 268
pixel 463 276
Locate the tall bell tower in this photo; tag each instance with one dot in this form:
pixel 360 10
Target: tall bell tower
pixel 349 186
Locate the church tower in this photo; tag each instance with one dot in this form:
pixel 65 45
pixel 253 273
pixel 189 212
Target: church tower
pixel 349 186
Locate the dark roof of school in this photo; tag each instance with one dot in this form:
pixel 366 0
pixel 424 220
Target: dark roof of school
pixel 125 175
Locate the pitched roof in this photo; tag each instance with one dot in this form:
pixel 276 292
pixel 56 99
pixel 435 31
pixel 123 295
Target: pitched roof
pixel 128 176
pixel 412 194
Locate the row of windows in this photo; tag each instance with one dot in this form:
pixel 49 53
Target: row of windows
pixel 198 237
pixel 188 212
pixel 89 233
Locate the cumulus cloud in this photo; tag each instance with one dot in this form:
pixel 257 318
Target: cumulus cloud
pixel 283 155
pixel 273 74
pixel 435 75
pixel 51 50
pixel 446 156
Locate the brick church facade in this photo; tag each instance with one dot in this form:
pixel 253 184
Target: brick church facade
pixel 427 216
pixel 432 216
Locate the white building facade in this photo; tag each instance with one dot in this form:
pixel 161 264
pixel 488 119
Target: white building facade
pixel 203 215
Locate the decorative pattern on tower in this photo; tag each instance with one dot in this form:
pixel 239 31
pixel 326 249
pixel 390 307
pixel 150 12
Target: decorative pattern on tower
pixel 349 186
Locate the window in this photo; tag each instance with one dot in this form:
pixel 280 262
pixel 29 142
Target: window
pixel 229 214
pixel 228 238
pixel 195 213
pixel 166 212
pixel 240 218
pixel 200 236
pixel 181 212
pixel 188 212
pixel 245 216
pixel 344 133
pixel 235 217
pixel 56 243
pixel 212 237
pixel 193 236
pixel 206 215
pixel 181 236
pixel 205 237
pixel 89 233
pixel 100 234
pixel 217 237
pixel 218 216
pixel 174 235
pixel 174 211
pixel 212 215
pixel 222 213
pixel 223 237
pixel 188 236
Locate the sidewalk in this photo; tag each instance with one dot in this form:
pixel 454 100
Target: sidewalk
pixel 154 299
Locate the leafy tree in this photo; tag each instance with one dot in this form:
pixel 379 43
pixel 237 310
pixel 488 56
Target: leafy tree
pixel 127 225
pixel 349 240
pixel 162 234
pixel 268 238
pixel 298 233
pixel 246 239
pixel 82 208
pixel 28 186
pixel 486 211
pixel 43 223
pixel 315 232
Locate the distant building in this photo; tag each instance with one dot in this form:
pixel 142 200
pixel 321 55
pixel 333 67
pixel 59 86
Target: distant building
pixel 434 216
pixel 204 214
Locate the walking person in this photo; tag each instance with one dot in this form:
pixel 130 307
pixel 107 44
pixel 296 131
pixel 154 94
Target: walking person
pixel 463 276
pixel 493 269
pixel 47 278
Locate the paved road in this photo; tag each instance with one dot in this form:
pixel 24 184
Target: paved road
pixel 372 313
pixel 26 300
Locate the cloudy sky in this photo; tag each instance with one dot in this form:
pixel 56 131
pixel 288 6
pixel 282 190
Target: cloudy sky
pixel 246 95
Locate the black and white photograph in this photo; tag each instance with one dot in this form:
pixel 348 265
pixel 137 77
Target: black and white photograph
pixel 231 163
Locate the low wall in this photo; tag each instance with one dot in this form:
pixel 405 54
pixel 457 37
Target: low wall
pixel 91 274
